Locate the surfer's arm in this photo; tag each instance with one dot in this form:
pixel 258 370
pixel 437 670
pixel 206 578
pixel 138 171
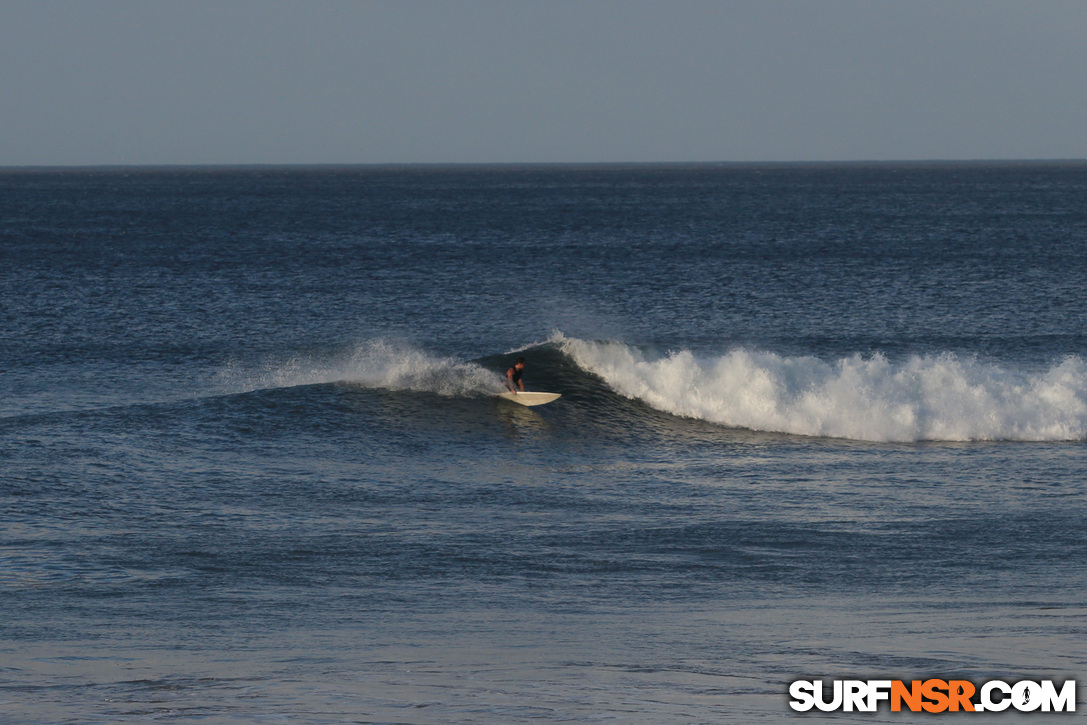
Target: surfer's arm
pixel 509 381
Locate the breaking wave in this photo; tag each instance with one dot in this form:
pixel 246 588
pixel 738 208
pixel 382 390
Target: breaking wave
pixel 943 397
pixel 371 364
pixel 929 397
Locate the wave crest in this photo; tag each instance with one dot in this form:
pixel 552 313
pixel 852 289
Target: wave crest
pixel 372 364
pixel 942 397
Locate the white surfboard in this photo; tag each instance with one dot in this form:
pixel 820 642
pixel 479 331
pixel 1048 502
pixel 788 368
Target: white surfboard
pixel 532 398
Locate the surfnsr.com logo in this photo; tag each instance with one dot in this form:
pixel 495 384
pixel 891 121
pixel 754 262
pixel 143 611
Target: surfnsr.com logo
pixel 933 696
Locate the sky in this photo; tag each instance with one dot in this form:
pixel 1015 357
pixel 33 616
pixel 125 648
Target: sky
pixel 488 81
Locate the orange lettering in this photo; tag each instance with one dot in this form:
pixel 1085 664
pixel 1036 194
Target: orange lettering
pixel 960 692
pixel 912 696
pixel 931 689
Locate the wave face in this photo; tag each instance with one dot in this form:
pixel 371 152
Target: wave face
pixel 939 398
pixel 370 364
pixel 943 397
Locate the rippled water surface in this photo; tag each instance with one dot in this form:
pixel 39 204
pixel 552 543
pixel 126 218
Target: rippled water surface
pixel 817 421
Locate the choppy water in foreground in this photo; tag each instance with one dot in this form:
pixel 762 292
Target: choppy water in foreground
pixel 817 421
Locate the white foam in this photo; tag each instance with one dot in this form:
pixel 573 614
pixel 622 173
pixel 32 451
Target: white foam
pixel 942 397
pixel 371 364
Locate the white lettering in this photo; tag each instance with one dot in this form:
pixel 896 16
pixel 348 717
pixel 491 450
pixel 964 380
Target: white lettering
pixel 878 690
pixel 803 697
pixel 835 703
pixel 1027 696
pixel 987 699
pixel 855 695
pixel 1065 701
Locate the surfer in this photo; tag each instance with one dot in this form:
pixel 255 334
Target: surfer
pixel 513 375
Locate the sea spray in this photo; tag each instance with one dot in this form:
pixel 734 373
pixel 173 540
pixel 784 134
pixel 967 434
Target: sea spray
pixel 370 364
pixel 930 397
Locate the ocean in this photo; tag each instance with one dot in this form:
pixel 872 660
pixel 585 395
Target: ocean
pixel 818 421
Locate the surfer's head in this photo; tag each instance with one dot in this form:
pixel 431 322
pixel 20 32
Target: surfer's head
pixel 519 363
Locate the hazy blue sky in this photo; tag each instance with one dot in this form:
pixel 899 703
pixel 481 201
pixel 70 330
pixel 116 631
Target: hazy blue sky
pixel 238 81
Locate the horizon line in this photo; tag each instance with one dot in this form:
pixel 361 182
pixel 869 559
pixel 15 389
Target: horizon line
pixel 526 164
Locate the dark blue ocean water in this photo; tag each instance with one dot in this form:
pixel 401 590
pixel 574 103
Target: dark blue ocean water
pixel 817 421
